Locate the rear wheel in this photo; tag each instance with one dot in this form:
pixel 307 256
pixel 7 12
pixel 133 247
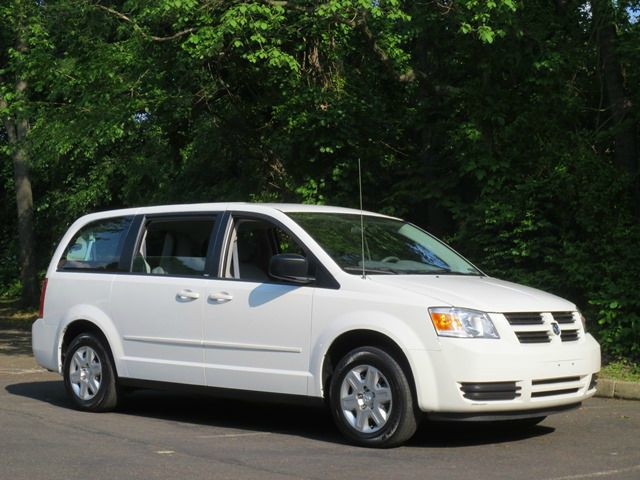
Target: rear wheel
pixel 89 375
pixel 371 399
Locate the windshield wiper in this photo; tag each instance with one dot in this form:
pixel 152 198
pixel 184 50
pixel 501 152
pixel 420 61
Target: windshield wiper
pixel 444 271
pixel 384 271
pixel 399 271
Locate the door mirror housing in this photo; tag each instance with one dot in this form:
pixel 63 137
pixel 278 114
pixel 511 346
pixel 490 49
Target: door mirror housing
pixel 290 267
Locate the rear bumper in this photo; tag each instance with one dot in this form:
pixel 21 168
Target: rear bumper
pixel 44 345
pixel 476 377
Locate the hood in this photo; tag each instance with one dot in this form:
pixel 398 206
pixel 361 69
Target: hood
pixel 479 293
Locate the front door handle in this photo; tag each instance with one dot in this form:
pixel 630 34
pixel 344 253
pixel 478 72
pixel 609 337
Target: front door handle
pixel 221 297
pixel 187 294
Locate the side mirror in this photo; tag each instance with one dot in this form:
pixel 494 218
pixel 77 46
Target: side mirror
pixel 290 267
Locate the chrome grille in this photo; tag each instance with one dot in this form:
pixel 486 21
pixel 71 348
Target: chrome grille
pixel 537 327
pixel 524 318
pixel 563 317
pixel 533 337
pixel 569 335
pixel 490 391
pixel 552 393
pixel 549 381
pixel 550 387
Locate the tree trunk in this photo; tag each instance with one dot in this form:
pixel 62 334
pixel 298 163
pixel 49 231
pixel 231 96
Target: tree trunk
pixel 619 103
pixel 24 203
pixel 17 129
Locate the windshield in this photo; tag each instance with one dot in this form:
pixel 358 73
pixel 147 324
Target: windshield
pixel 390 246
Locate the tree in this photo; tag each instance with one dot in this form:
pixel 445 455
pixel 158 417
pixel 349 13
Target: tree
pixel 620 116
pixel 16 123
pixel 505 127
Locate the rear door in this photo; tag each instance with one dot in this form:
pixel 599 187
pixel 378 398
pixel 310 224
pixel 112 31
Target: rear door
pixel 158 306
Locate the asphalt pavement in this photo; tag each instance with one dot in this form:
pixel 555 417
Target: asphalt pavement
pixel 157 435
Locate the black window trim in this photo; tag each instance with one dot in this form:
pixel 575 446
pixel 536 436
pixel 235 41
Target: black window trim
pixel 128 250
pixel 324 279
pixel 216 253
pixel 145 219
pixel 122 249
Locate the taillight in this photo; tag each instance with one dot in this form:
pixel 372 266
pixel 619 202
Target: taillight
pixel 43 292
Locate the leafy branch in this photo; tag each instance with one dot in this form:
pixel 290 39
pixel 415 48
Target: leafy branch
pixel 140 30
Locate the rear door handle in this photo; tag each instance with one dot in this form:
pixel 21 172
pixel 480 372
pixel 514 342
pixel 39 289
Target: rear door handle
pixel 187 294
pixel 221 297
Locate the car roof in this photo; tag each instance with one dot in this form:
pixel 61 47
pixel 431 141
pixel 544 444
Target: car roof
pixel 242 206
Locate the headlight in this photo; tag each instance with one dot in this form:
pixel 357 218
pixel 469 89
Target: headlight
pixel 462 323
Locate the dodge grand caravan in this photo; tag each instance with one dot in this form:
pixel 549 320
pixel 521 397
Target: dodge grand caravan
pixel 295 300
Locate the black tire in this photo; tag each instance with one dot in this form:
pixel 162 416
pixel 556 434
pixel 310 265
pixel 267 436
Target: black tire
pixel 89 374
pixel 400 415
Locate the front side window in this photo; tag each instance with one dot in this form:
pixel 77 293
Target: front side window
pixel 174 246
pixel 390 246
pixel 252 244
pixel 97 246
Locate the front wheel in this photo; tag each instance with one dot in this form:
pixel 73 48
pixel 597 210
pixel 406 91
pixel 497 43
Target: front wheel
pixel 371 399
pixel 89 374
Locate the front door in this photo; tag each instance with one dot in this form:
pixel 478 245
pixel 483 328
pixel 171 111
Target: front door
pixel 256 329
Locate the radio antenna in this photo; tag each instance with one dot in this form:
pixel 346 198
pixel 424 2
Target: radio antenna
pixel 364 275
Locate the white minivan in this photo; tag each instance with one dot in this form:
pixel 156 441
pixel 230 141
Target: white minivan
pixel 383 323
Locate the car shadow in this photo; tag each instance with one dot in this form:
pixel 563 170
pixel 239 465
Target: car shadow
pixel 470 434
pixel 51 392
pixel 304 421
pixel 202 410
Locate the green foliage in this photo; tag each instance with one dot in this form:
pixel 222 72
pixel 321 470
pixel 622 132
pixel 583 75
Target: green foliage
pixel 11 288
pixel 622 370
pixel 486 18
pixel 484 121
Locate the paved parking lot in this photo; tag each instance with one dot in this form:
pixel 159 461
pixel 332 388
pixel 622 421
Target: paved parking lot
pixel 160 435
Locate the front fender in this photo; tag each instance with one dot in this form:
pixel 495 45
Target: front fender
pixel 400 332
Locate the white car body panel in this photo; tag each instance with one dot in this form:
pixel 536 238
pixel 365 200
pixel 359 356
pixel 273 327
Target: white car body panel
pixel 259 338
pixel 274 337
pixel 480 293
pixel 161 334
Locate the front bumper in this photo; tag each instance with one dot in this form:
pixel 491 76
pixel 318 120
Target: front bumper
pixel 500 416
pixel 472 376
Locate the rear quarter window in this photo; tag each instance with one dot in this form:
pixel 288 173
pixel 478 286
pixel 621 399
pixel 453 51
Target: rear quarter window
pixel 97 246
